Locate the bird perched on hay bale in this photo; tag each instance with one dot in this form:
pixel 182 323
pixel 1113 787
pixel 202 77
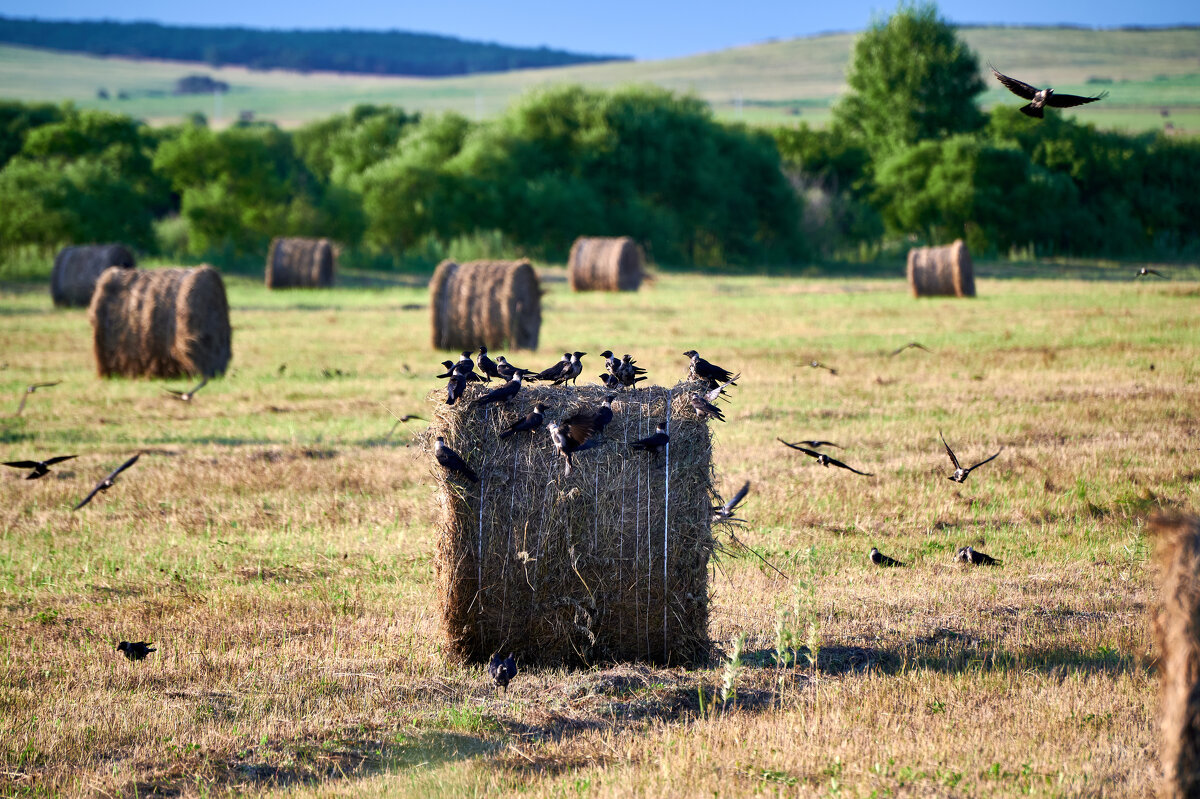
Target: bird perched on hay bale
pixel 494 302
pixel 300 263
pixel 1040 99
pixel 76 270
pixel 451 461
pixel 605 264
pixel 161 323
pixel 941 271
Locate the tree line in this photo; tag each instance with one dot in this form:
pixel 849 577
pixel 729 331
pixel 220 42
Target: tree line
pixel 373 52
pixel 909 157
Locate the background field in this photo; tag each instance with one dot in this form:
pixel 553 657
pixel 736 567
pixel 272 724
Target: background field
pixel 276 542
pixel 774 82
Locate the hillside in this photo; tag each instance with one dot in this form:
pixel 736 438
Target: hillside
pixel 1145 71
pixel 369 52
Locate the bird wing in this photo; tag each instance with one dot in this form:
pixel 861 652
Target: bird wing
pixel 21 406
pixel 976 466
pixel 841 465
pixel 579 427
pixel 123 467
pixel 1072 100
pixel 949 451
pixel 88 498
pixel 203 382
pixel 738 497
pixel 59 459
pixel 35 386
pixel 24 464
pixel 1018 87
pixel 173 391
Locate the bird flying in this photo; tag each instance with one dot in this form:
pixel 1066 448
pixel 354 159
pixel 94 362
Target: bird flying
pixel 530 422
pixel 815 444
pixel 502 670
pixel 960 474
pixel 452 461
pixel 912 345
pixel 135 650
pixel 724 513
pixel 880 559
pixel 40 468
pixel 1147 272
pixel 107 482
pixel 819 365
pixel 1041 98
pixel 823 459
pixel 29 390
pixel 186 396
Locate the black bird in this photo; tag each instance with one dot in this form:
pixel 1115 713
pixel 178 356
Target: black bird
pixel 572 370
pixel 705 409
pixel 1146 272
pixel 186 396
pixel 703 370
pixel 880 559
pixel 452 461
pixel 629 366
pixel 611 382
pixel 554 371
pixel 653 443
pixel 969 555
pixel 449 369
pixel 107 482
pixel 502 394
pixel 819 365
pixel 815 444
pixel 719 390
pixel 912 345
pixel 502 671
pixel 824 459
pixel 487 365
pixel 467 367
pixel 960 474
pixel 603 415
pixel 574 434
pixel 1041 98
pixel 29 390
pixel 724 513
pixel 506 370
pixel 530 422
pixel 612 363
pixel 452 369
pixel 135 650
pixel 456 385
pixel 40 468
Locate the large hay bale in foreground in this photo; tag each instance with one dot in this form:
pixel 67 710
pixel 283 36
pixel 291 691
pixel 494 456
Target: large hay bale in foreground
pixel 605 264
pixel 160 323
pixel 941 271
pixel 76 270
pixel 300 263
pixel 493 303
pixel 1177 630
pixel 609 563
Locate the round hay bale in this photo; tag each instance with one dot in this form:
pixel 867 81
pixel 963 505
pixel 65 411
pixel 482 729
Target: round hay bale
pixel 160 323
pixel 493 303
pixel 1177 634
pixel 76 270
pixel 941 271
pixel 605 264
pixel 609 563
pixel 300 263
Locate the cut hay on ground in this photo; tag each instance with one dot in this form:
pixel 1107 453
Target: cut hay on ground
pixel 605 264
pixel 1177 630
pixel 941 271
pixel 493 303
pixel 300 263
pixel 76 270
pixel 609 563
pixel 160 323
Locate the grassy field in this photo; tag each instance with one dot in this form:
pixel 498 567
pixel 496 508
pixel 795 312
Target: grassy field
pixel 276 542
pixel 777 82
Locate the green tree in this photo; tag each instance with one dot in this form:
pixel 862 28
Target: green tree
pixel 911 79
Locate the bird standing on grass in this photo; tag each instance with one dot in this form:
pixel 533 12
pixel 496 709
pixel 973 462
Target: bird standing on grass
pixel 960 474
pixel 824 459
pixel 1040 99
pixel 186 396
pixel 880 559
pixel 135 650
pixel 40 468
pixel 653 443
pixel 502 670
pixel 969 555
pixel 452 461
pixel 108 482
pixel 528 423
pixel 29 390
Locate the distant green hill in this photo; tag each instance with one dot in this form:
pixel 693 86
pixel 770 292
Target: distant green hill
pixel 368 52
pixel 1146 73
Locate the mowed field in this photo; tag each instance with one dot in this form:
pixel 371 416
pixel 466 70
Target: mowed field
pixel 276 542
pixel 778 82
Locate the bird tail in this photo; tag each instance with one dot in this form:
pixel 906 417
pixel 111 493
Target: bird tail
pixel 506 433
pixel 1032 111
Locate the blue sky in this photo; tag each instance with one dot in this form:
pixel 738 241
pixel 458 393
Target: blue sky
pixel 645 29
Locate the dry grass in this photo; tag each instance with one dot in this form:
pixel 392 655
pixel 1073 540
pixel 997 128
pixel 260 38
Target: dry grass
pixel 276 543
